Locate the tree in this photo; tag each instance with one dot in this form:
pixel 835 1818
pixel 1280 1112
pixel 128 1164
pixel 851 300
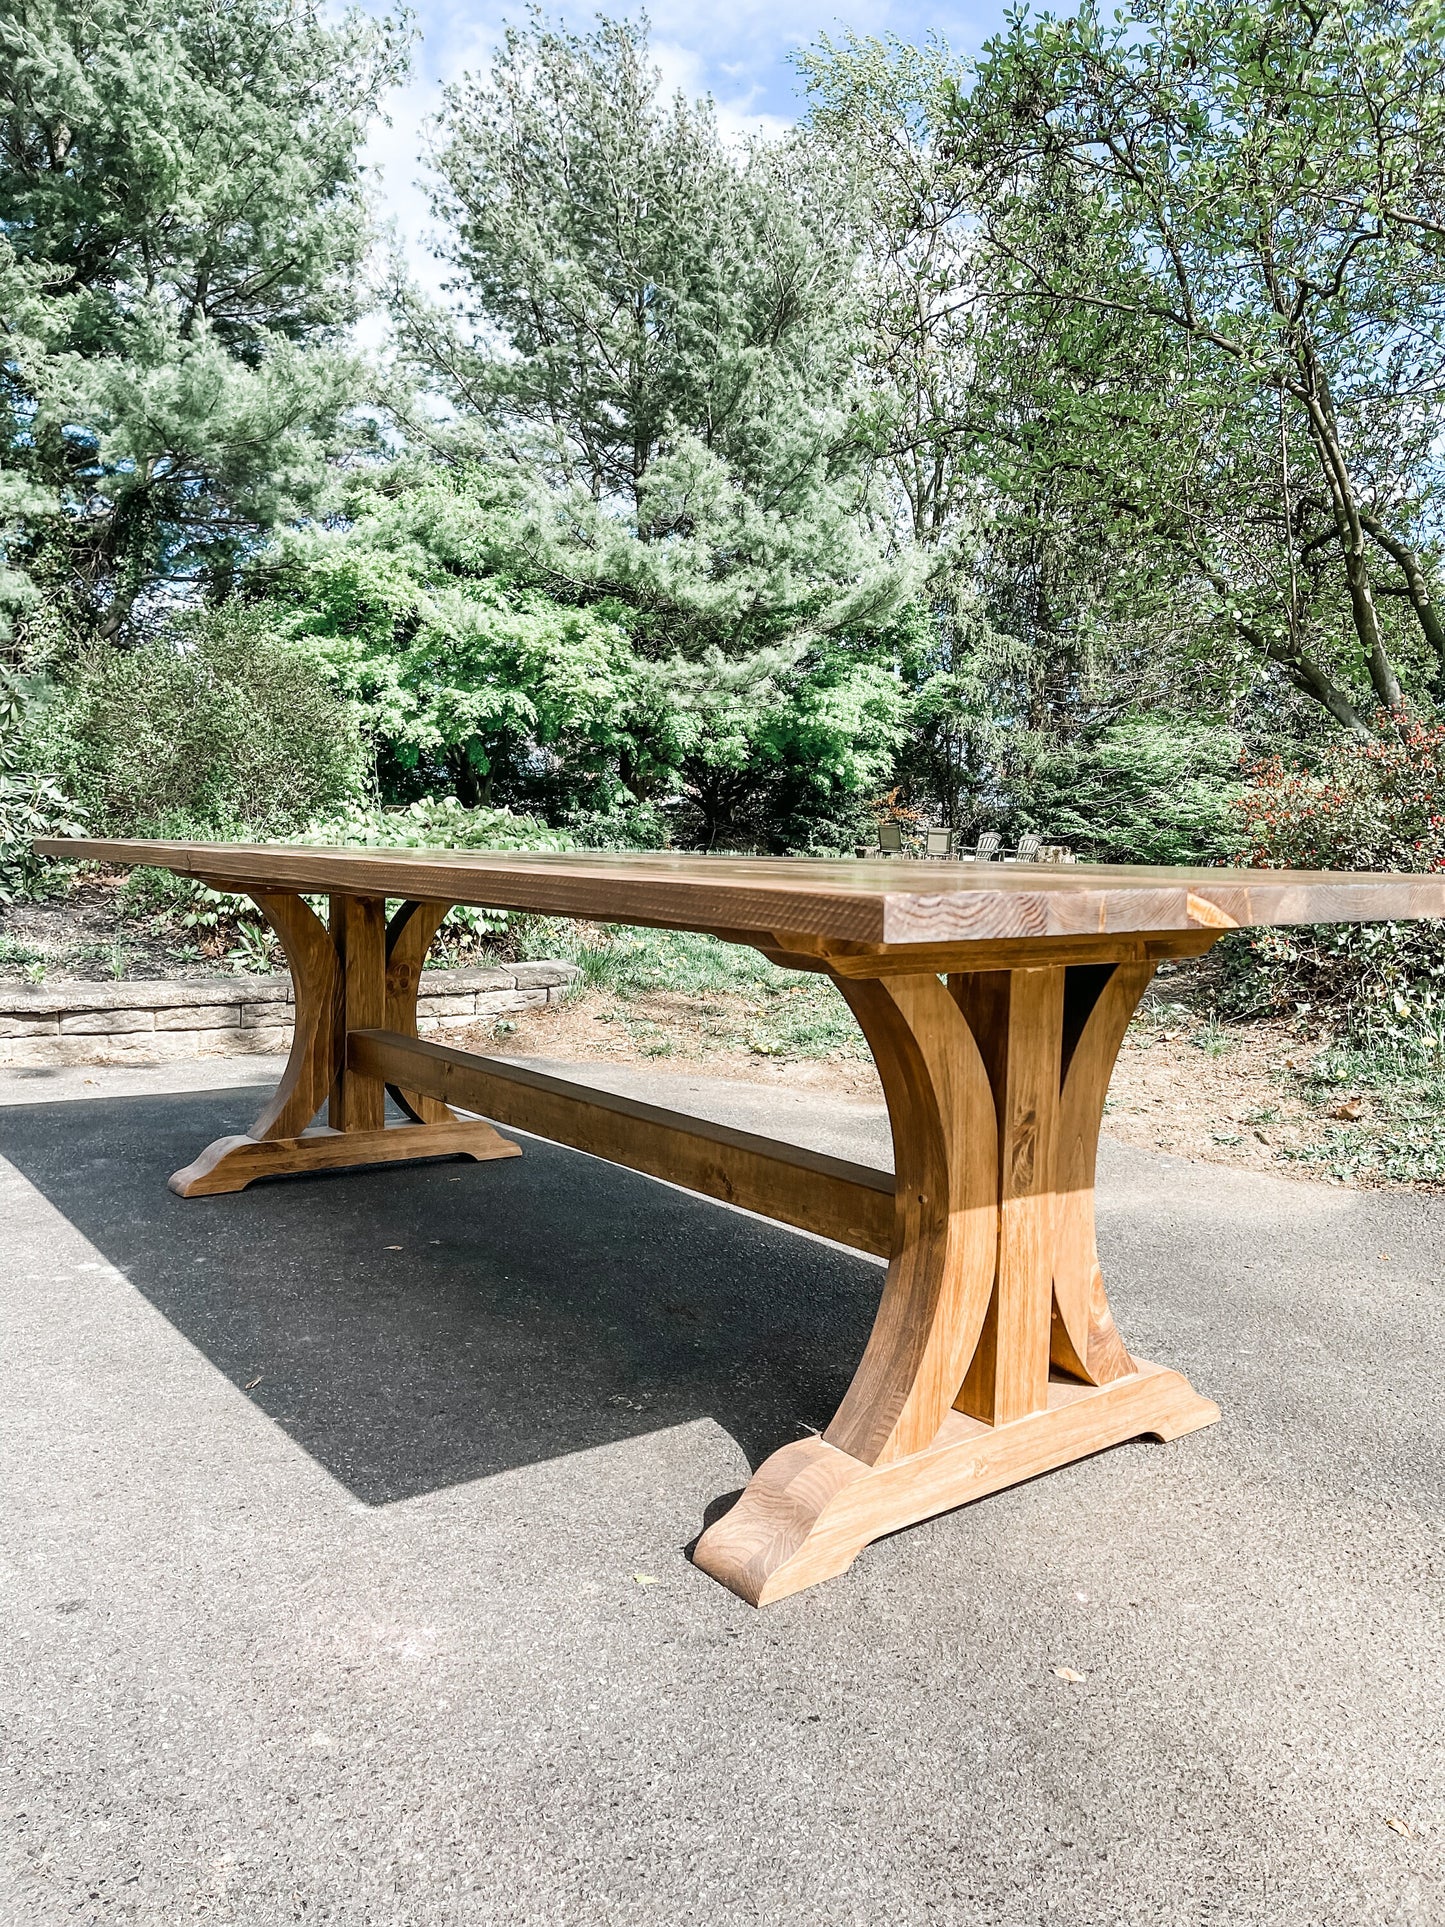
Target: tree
pixel 182 226
pixel 1047 619
pixel 472 672
pixel 661 331
pixel 1256 191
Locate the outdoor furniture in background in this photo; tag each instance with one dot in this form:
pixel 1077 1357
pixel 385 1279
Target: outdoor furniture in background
pixel 994 1356
pixel 986 849
pixel 940 843
pixel 890 839
pixel 1027 848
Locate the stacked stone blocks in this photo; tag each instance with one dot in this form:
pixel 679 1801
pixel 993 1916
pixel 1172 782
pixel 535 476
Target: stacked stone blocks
pixel 157 1021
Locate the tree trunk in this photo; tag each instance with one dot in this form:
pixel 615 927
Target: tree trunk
pixel 1416 583
pixel 1320 413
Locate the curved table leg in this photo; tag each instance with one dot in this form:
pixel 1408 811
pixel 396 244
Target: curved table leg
pixel 1100 1000
pixel 409 936
pixel 340 981
pixel 995 1088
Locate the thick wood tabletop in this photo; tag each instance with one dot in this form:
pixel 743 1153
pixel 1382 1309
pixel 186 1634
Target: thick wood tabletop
pixel 888 901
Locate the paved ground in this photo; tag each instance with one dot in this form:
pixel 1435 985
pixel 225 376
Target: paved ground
pixel 321 1594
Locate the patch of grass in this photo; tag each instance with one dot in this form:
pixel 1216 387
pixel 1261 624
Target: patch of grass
pixel 1400 1137
pixel 15 956
pixel 738 1000
pixel 1211 1037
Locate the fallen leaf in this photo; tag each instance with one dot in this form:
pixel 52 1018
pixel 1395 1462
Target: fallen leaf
pixel 1350 1111
pixel 1068 1673
pixel 644 1579
pixel 1397 1825
pixel 252 1383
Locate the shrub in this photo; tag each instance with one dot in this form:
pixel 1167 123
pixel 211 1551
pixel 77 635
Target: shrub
pixel 1371 805
pixel 215 725
pixel 1360 805
pixel 31 804
pixel 1141 792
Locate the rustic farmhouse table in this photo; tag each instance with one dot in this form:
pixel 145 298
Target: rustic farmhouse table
pixel 994 1000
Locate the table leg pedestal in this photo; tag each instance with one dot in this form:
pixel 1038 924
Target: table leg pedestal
pixel 359 971
pixel 994 1355
pixel 810 1509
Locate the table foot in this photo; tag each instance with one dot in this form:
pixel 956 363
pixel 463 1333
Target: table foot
pixel 810 1509
pixel 231 1163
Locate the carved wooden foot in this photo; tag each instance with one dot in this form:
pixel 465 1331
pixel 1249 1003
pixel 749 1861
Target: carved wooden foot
pixel 810 1509
pixel 231 1163
pixel 358 973
pixel 994 1355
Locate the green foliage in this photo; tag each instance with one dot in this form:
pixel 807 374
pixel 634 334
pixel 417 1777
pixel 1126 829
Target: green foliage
pixel 31 805
pixel 214 725
pixel 678 318
pixel 473 672
pixel 181 234
pixel 1219 223
pixel 1141 792
pixel 1373 805
pixel 737 1000
pixel 440 823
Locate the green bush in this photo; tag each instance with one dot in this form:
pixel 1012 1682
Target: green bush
pixel 213 726
pixel 31 804
pixel 1140 792
pixel 1357 805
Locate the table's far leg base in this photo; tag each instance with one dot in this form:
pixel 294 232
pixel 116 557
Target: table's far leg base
pixel 231 1163
pixel 810 1509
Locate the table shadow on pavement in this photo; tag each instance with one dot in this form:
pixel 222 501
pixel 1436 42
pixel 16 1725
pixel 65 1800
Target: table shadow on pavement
pixel 536 1306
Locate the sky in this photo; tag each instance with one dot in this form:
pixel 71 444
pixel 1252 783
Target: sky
pixel 736 50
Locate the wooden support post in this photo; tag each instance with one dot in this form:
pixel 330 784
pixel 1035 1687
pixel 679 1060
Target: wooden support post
pixel 1017 1016
pixel 339 982
pixel 995 1112
pixel 358 930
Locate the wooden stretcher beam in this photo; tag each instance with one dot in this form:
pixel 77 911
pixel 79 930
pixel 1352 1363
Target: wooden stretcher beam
pixel 851 1203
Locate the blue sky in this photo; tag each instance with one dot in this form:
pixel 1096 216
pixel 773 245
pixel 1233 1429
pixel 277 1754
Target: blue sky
pixel 736 50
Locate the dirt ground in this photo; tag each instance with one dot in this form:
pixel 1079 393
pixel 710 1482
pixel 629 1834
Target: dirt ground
pixel 1229 1095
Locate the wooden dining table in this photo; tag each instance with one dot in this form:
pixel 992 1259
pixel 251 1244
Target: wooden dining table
pixel 994 999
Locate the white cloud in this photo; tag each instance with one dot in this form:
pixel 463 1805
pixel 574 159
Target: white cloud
pixel 739 52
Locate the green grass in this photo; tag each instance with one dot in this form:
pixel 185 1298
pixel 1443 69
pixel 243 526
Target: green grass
pixel 1401 1138
pixel 13 955
pixel 742 1001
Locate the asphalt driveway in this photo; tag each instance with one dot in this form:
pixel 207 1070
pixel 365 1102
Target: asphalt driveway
pixel 343 1568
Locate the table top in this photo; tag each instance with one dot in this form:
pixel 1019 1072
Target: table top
pixel 879 900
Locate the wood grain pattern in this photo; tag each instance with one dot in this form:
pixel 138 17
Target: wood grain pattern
pixel 879 901
pixel 409 938
pixel 809 1510
pixel 358 930
pixel 231 1163
pixel 316 995
pixel 848 1202
pixel 945 1224
pixel 796 950
pixel 1085 1340
pixel 1017 1016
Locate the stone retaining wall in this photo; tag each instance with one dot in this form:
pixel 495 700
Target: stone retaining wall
pixel 158 1021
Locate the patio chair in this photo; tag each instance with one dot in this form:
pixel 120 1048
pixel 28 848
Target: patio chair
pixel 940 842
pixel 890 839
pixel 988 847
pixel 1028 848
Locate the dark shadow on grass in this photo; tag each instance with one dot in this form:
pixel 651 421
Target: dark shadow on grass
pixel 537 1305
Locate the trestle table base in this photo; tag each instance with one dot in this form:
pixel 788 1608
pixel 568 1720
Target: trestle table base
pixel 994 1355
